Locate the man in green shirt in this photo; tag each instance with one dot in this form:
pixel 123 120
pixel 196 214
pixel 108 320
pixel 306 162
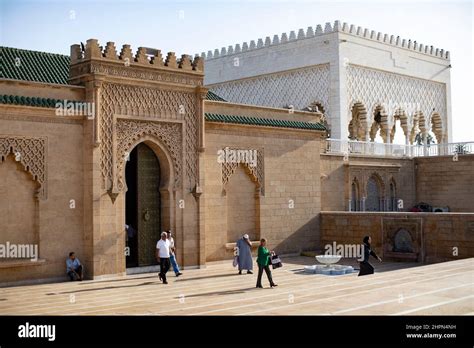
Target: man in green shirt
pixel 263 261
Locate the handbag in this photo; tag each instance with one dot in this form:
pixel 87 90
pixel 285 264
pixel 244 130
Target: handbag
pixel 236 261
pixel 276 262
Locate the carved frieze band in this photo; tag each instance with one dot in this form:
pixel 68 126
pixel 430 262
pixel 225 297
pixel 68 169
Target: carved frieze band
pixel 137 73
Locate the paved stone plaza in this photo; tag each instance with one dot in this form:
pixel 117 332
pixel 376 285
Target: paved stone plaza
pixel 395 288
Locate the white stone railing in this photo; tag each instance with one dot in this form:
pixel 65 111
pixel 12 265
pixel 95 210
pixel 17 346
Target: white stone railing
pixel 366 148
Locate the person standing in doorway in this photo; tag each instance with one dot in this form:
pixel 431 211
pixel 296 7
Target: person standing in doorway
pixel 173 261
pixel 245 254
pixel 365 266
pixel 163 256
pixel 263 261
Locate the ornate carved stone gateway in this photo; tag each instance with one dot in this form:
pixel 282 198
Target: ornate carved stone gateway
pixel 153 104
pixel 129 133
pixel 133 101
pixel 31 152
pixel 165 104
pixel 143 101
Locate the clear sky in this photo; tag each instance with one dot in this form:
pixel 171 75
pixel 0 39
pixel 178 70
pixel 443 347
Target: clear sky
pixel 195 26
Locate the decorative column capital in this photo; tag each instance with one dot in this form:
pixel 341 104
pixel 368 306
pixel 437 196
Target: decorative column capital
pixel 201 92
pixel 98 83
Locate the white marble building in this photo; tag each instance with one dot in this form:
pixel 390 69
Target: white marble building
pixel 363 80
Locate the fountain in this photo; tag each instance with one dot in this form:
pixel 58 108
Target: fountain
pixel 328 266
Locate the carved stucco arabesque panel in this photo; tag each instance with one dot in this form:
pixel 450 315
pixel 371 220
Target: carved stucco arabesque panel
pixel 130 131
pixel 299 88
pixel 362 175
pixel 159 105
pixel 373 87
pixel 257 173
pixel 31 153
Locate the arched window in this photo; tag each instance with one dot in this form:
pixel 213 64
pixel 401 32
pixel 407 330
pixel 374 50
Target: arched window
pixel 399 132
pixel 374 194
pixel 378 131
pixel 358 123
pixel 437 127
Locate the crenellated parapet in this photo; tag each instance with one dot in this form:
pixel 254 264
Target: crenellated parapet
pixel 143 57
pixel 328 28
pixel 92 58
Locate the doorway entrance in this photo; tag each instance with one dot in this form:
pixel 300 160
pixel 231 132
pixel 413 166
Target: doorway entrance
pixel 142 206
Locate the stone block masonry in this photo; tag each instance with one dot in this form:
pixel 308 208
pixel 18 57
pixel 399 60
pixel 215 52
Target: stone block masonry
pixel 441 236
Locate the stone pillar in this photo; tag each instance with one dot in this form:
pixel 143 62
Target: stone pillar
pixel 425 148
pixel 338 105
pixel 97 85
pixel 201 94
pixel 388 141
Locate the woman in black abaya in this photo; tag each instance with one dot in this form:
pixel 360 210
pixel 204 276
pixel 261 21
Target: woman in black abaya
pixel 365 266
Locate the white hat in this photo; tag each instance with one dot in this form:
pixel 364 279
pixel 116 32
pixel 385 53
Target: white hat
pixel 246 236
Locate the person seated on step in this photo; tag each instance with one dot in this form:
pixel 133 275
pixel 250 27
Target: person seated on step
pixel 74 268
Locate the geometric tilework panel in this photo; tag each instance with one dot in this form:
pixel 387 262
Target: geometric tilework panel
pixel 299 88
pixel 373 87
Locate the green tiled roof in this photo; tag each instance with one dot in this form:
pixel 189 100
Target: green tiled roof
pixel 215 97
pixel 31 101
pixel 256 121
pixel 36 66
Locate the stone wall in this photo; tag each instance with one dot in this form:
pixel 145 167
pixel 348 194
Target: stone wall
pixel 53 220
pixel 439 234
pixel 218 107
pixel 441 182
pixel 337 176
pixel 289 203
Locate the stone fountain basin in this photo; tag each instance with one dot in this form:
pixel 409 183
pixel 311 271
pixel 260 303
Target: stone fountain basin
pixel 332 270
pixel 328 259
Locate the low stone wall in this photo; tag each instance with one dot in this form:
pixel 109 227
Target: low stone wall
pixel 436 237
pixel 442 182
